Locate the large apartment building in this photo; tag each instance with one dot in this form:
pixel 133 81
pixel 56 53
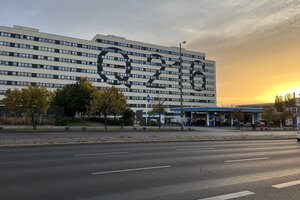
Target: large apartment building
pixel 32 58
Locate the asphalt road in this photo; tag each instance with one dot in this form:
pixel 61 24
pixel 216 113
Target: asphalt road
pixel 160 171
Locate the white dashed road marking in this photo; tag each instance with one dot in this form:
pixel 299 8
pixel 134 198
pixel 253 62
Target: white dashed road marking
pixel 287 184
pixel 196 149
pixel 230 196
pixel 247 159
pixel 260 146
pixel 131 170
pixel 100 154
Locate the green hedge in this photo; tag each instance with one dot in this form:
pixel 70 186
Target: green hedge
pixel 63 121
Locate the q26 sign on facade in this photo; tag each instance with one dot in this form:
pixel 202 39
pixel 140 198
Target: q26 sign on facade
pixel 193 73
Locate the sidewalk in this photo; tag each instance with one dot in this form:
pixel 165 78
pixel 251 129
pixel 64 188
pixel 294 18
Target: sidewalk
pixel 49 128
pixel 100 128
pixel 75 135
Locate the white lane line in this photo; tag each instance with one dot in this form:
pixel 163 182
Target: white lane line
pixel 260 146
pixel 100 154
pixel 196 149
pixel 131 170
pixel 287 184
pixel 230 196
pixel 245 160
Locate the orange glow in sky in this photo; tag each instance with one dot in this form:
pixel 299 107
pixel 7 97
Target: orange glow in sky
pixel 257 70
pixel 259 73
pixel 257 51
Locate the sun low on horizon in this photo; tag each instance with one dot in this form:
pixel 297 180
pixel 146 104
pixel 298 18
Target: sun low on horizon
pixel 260 72
pixel 255 66
pixel 262 96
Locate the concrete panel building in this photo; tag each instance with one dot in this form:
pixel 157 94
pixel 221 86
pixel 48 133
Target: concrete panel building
pixel 30 57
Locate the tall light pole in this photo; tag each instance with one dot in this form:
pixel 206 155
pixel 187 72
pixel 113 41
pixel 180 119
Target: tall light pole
pixel 181 86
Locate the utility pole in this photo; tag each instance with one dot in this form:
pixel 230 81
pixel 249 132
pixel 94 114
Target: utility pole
pixel 181 85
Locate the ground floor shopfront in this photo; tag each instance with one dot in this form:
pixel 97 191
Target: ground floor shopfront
pixel 217 116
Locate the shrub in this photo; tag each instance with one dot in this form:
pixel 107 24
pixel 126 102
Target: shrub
pixel 25 121
pixel 128 122
pixel 63 121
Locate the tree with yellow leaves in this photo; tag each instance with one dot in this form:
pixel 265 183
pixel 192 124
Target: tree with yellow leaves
pixel 30 100
pixel 108 102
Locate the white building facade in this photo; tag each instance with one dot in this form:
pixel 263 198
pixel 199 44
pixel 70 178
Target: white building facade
pixel 32 58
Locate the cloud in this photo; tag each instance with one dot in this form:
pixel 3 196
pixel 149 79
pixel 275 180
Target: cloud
pixel 204 22
pixel 249 21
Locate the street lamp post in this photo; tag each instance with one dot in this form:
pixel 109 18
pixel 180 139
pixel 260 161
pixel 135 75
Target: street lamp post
pixel 181 86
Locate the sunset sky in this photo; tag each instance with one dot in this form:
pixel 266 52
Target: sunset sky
pixel 255 43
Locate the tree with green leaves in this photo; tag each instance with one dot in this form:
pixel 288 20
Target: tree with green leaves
pixel 159 108
pixel 269 115
pixel 279 103
pixel 108 102
pixel 30 100
pixel 64 98
pixel 289 100
pixel 283 106
pixel 83 98
pixel 238 115
pixel 128 116
pixel 74 98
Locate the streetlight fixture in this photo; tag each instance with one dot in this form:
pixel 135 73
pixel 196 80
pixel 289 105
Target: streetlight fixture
pixel 181 86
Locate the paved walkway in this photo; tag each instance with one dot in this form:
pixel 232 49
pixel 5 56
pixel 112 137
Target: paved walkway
pixel 22 136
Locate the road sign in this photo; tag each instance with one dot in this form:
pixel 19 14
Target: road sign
pixel 148 98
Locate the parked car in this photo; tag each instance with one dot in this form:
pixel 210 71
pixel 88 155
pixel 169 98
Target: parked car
pixel 248 124
pixel 237 123
pixel 260 124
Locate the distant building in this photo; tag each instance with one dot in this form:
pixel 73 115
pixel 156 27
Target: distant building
pixel 295 120
pixel 259 105
pixel 32 58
